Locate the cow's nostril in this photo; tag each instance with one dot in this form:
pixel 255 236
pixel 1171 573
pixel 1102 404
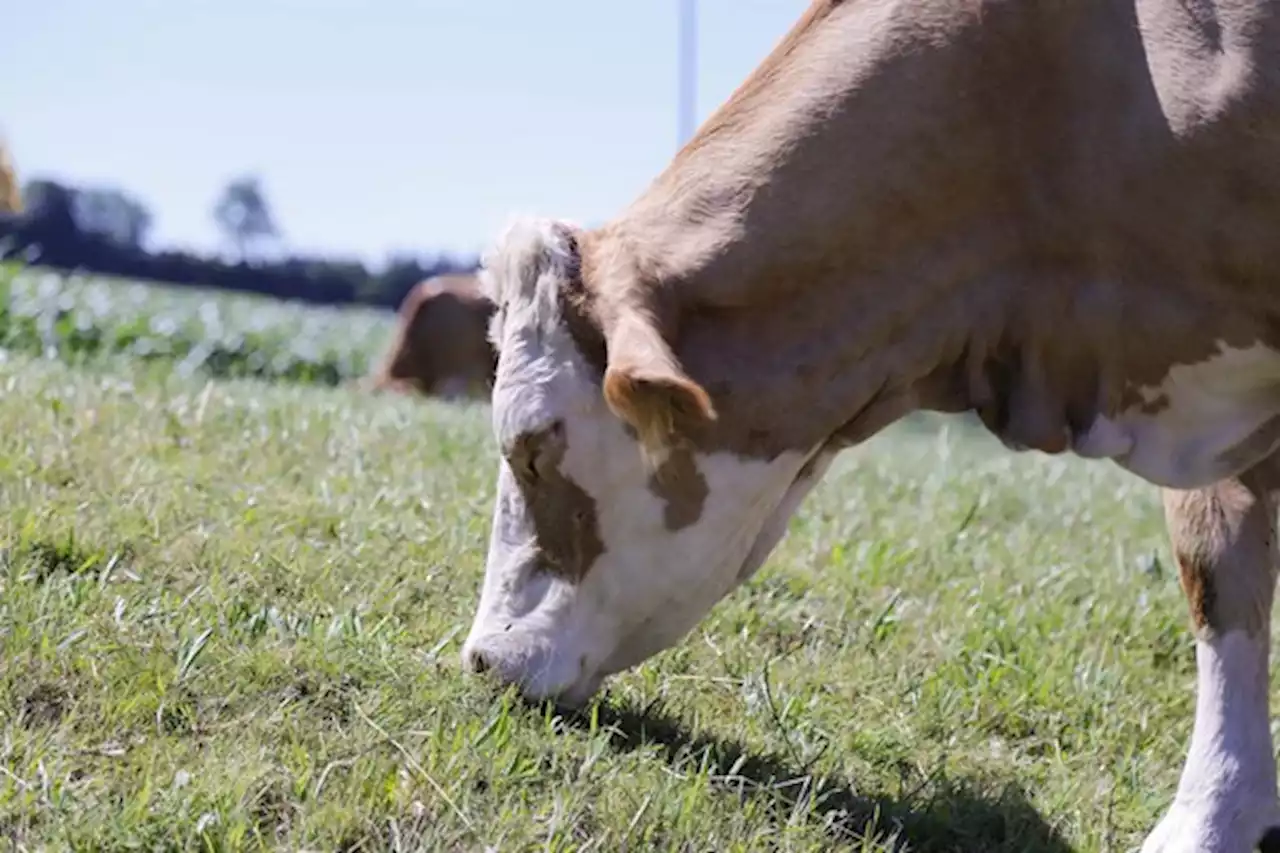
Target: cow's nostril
pixel 479 663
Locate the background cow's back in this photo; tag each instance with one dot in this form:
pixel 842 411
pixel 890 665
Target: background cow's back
pixel 441 347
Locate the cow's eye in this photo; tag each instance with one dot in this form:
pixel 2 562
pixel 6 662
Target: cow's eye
pixel 524 464
pixel 523 459
pixel 531 454
pixel 530 472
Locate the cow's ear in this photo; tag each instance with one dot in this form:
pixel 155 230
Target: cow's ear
pixel 645 386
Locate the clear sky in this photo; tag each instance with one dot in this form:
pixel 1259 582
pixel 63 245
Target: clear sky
pixel 375 125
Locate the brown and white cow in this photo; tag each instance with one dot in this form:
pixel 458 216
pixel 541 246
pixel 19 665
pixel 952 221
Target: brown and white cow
pixel 441 347
pixel 1061 214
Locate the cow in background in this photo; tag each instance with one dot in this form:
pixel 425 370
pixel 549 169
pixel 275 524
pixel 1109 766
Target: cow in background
pixel 441 346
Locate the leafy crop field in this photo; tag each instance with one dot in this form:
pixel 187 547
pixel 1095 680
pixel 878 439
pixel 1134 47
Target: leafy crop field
pixel 78 319
pixel 230 614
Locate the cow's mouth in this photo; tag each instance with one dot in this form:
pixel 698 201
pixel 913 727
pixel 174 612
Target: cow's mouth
pixel 538 671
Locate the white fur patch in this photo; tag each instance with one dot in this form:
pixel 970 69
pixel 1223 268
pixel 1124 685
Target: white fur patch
pixel 1213 406
pixel 653 585
pixel 522 272
pixel 775 527
pixel 1226 797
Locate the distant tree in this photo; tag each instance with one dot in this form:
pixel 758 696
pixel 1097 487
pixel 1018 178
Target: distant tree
pixel 53 204
pixel 113 214
pixel 103 229
pixel 401 273
pixel 242 214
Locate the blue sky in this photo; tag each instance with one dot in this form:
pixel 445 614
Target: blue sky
pixel 376 125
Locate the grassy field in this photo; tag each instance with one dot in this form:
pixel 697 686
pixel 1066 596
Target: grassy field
pixel 230 614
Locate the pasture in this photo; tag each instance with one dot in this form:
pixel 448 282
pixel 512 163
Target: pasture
pixel 231 607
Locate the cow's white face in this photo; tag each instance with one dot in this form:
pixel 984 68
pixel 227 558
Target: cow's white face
pixel 596 559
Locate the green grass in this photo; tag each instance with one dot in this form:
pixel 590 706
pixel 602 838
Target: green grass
pixel 230 614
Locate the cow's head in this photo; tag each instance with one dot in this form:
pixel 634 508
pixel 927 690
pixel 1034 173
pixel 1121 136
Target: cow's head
pixel 614 532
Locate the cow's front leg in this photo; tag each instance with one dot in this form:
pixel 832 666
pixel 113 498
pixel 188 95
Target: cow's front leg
pixel 1223 540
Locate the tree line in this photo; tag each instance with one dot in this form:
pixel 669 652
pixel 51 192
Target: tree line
pixel 104 230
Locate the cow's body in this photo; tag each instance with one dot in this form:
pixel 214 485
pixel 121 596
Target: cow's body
pixel 1064 216
pixel 441 347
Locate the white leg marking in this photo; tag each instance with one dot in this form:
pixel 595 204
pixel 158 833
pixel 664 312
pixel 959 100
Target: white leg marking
pixel 1226 797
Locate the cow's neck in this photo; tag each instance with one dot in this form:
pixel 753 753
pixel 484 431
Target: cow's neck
pixel 847 352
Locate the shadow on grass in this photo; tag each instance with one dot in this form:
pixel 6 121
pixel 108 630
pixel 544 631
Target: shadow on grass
pixel 952 816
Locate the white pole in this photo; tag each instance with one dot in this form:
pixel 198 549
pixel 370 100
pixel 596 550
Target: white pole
pixel 687 70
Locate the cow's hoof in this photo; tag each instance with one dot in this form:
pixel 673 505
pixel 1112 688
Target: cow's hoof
pixel 1231 827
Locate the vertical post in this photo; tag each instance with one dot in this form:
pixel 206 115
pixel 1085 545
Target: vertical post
pixel 687 71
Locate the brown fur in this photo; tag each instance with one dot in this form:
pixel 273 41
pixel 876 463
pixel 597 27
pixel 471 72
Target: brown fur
pixel 441 338
pixel 1223 539
pixel 10 191
pixel 564 516
pixel 682 488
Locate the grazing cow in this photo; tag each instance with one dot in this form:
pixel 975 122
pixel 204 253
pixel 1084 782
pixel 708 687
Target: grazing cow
pixel 10 194
pixel 441 347
pixel 1064 216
